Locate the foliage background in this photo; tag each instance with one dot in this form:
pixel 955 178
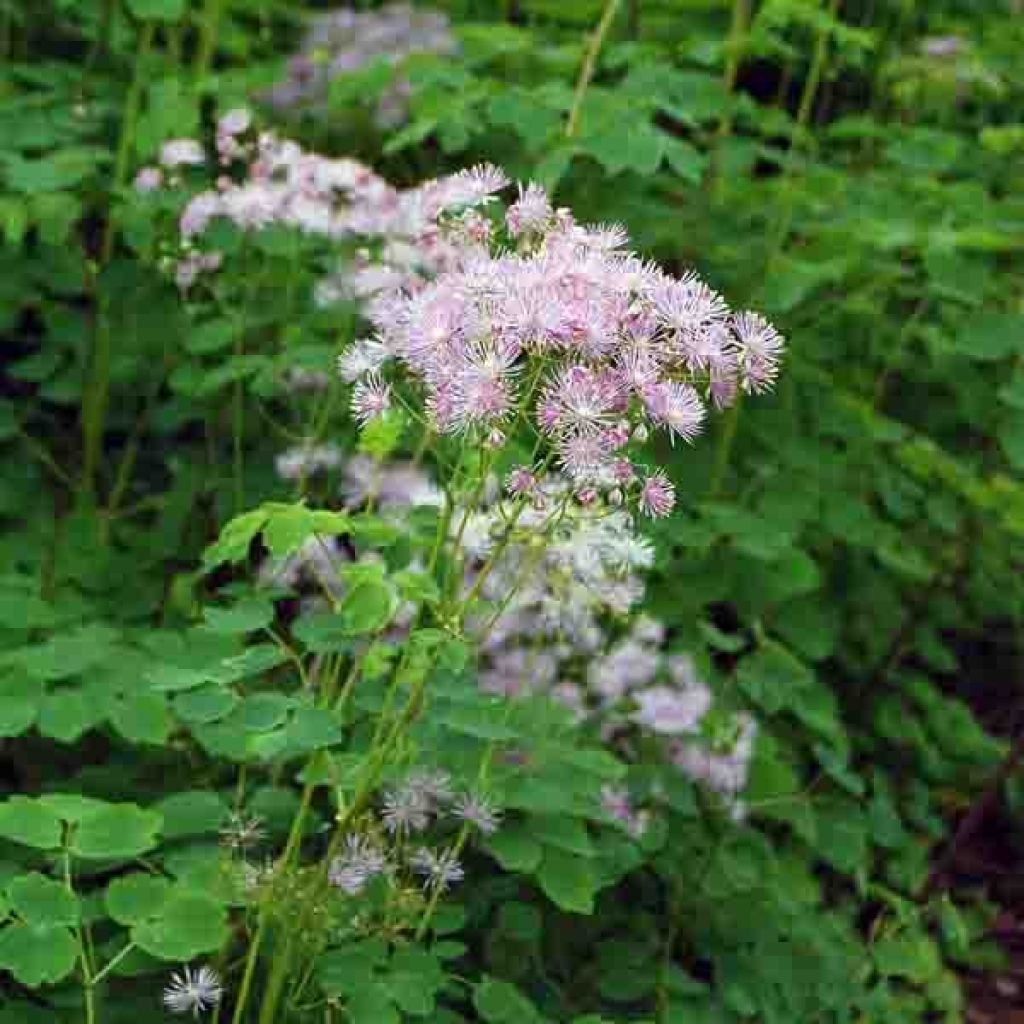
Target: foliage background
pixel 847 560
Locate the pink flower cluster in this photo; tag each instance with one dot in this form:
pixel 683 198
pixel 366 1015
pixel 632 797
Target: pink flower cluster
pixel 596 346
pixel 343 42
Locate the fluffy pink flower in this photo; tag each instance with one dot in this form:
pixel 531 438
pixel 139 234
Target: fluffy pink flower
pixel 371 398
pixel 657 496
pixel 149 179
pixel 530 212
pixel 182 152
pixel 677 406
pixel 760 351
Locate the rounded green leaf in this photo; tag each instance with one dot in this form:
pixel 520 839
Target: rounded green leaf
pixel 30 823
pixel 134 898
pixel 188 925
pixel 42 902
pixel 500 1002
pixel 37 955
pixel 117 830
pixel 568 880
pixel 367 608
pixel 195 813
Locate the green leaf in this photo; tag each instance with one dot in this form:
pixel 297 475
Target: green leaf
pixel 233 543
pixel 134 898
pixel 37 956
pixel 772 678
pixel 29 823
pixel 194 813
pixel 188 925
pixel 842 834
pixel 116 831
pixel 348 968
pixel 686 160
pixel 244 617
pixel 19 705
pixel 67 714
pixel 372 1005
pixel 563 833
pixel 1011 439
pixel 367 608
pixel 515 848
pixel 987 336
pixel 913 956
pixel 42 902
pixel 142 718
pixel 568 881
pixel 500 1002
pixel 635 146
pixel 157 10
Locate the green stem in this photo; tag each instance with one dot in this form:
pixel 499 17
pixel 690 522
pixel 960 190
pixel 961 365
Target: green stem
pixel 590 65
pixel 725 443
pixel 208 42
pixel 807 97
pixel 97 978
pixel 738 28
pixel 88 991
pixel 97 393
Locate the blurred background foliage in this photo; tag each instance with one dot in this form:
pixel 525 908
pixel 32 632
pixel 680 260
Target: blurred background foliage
pixel 849 552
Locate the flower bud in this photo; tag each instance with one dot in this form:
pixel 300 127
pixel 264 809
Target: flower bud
pixel 640 433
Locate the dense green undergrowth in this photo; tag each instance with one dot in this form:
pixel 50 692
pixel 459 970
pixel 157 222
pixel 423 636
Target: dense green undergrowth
pixel 225 644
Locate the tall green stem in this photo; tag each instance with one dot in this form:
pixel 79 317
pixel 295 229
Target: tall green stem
pixel 97 392
pixel 738 29
pixel 212 15
pixel 589 65
pixel 819 61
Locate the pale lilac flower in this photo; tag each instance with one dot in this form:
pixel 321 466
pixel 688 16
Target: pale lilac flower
pixel 371 398
pixel 617 804
pixel 149 179
pixel 197 215
pixel 182 152
pixel 362 357
pixel 405 810
pixel 240 832
pixel 580 401
pixel 485 385
pixel 625 668
pixel 394 486
pixel 530 212
pixel 725 772
pixel 657 496
pixel 361 861
pixel 760 351
pixel 235 122
pixel 942 46
pixel 440 870
pixel 478 811
pixel 195 991
pixel 677 406
pixel 433 787
pixel 670 712
pixel 307 460
pixel 298 379
pixel 466 188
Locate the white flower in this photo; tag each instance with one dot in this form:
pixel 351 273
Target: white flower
pixel 194 991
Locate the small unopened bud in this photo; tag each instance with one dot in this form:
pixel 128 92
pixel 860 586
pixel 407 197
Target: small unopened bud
pixel 640 433
pixel 615 497
pixel 587 496
pixel 495 439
